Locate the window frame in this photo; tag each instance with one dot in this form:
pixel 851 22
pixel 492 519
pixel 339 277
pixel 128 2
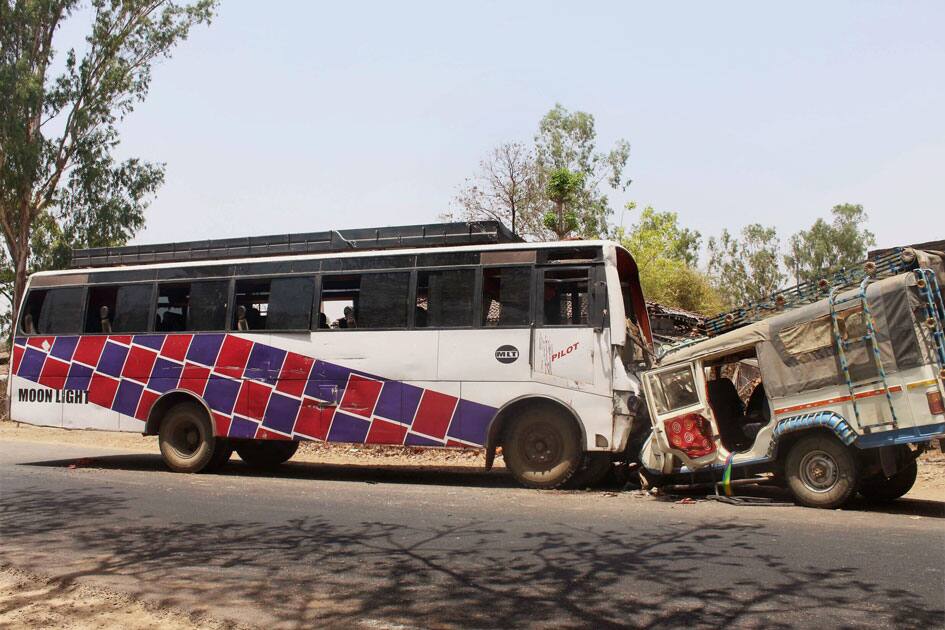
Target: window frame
pixel 230 280
pixel 411 298
pixel 476 302
pixel 151 309
pixel 651 381
pixel 18 329
pixel 593 301
pixel 531 295
pixel 231 302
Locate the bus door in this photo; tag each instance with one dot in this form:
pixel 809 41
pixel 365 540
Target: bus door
pixel 570 338
pixel 676 397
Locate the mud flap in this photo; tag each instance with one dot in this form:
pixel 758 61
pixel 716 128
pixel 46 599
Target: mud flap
pixel 888 460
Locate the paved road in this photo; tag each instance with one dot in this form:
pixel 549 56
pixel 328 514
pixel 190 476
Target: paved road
pixel 393 548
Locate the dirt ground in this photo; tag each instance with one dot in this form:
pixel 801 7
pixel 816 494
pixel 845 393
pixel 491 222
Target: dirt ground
pixel 33 601
pixel 308 451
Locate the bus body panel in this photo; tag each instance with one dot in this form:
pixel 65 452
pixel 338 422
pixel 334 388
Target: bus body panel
pixel 429 387
pixel 263 391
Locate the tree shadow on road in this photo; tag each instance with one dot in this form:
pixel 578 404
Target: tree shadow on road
pixel 470 573
pixel 421 474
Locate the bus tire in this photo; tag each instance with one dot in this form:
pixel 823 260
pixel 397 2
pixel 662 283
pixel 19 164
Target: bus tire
pixel 266 453
pixel 882 489
pixel 541 449
pixel 593 470
pixel 186 439
pixel 221 455
pixel 821 472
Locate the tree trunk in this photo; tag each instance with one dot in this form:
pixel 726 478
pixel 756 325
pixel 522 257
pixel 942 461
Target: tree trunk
pixel 19 283
pixel 20 255
pixel 560 227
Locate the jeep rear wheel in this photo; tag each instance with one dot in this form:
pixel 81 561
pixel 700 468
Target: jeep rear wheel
pixel 821 472
pixel 882 489
pixel 541 448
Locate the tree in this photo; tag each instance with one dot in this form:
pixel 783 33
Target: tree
pixel 659 235
pixel 60 185
pixel 513 179
pixel 826 247
pixel 666 255
pixel 567 140
pixel 562 189
pixel 746 269
pixel 505 189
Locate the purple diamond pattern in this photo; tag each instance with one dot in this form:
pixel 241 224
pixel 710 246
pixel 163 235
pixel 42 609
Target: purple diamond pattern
pixel 393 402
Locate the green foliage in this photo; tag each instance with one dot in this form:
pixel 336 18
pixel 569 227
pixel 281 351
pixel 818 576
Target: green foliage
pixel 563 188
pixel 826 247
pixel 747 268
pixel 673 283
pixel 60 185
pixel 568 140
pixel 666 256
pixel 658 235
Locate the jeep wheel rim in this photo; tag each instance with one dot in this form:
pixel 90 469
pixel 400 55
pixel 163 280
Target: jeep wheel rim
pixel 819 471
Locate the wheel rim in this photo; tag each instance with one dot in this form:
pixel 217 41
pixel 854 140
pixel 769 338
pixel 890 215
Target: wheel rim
pixel 542 446
pixel 819 471
pixel 185 438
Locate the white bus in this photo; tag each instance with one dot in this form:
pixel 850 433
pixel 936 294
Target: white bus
pixel 454 335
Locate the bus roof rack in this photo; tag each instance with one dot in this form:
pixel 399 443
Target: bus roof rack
pixel 394 237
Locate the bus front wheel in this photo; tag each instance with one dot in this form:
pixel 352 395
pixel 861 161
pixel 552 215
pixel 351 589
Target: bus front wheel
pixel 541 448
pixel 186 439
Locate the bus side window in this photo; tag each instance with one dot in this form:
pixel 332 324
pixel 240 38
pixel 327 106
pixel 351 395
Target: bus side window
pixel 172 304
pixel 100 309
pixel 273 304
pixel 132 308
pixel 60 312
pixel 445 298
pixel 565 297
pixel 505 296
pixel 252 304
pixel 384 300
pixel 207 308
pixel 370 300
pixel 31 311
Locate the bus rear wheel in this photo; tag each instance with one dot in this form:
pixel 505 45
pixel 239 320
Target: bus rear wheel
pixel 266 453
pixel 541 448
pixel 186 439
pixel 821 472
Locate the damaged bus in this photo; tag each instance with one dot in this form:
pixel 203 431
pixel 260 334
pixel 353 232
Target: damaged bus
pixel 843 393
pixel 448 335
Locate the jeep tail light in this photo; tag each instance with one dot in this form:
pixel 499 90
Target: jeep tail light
pixel 935 403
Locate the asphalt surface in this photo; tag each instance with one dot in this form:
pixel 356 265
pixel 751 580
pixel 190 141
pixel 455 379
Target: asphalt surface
pixel 380 547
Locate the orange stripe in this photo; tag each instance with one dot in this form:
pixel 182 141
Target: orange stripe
pixel 841 399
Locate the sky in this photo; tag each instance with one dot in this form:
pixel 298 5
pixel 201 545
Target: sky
pixel 304 116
